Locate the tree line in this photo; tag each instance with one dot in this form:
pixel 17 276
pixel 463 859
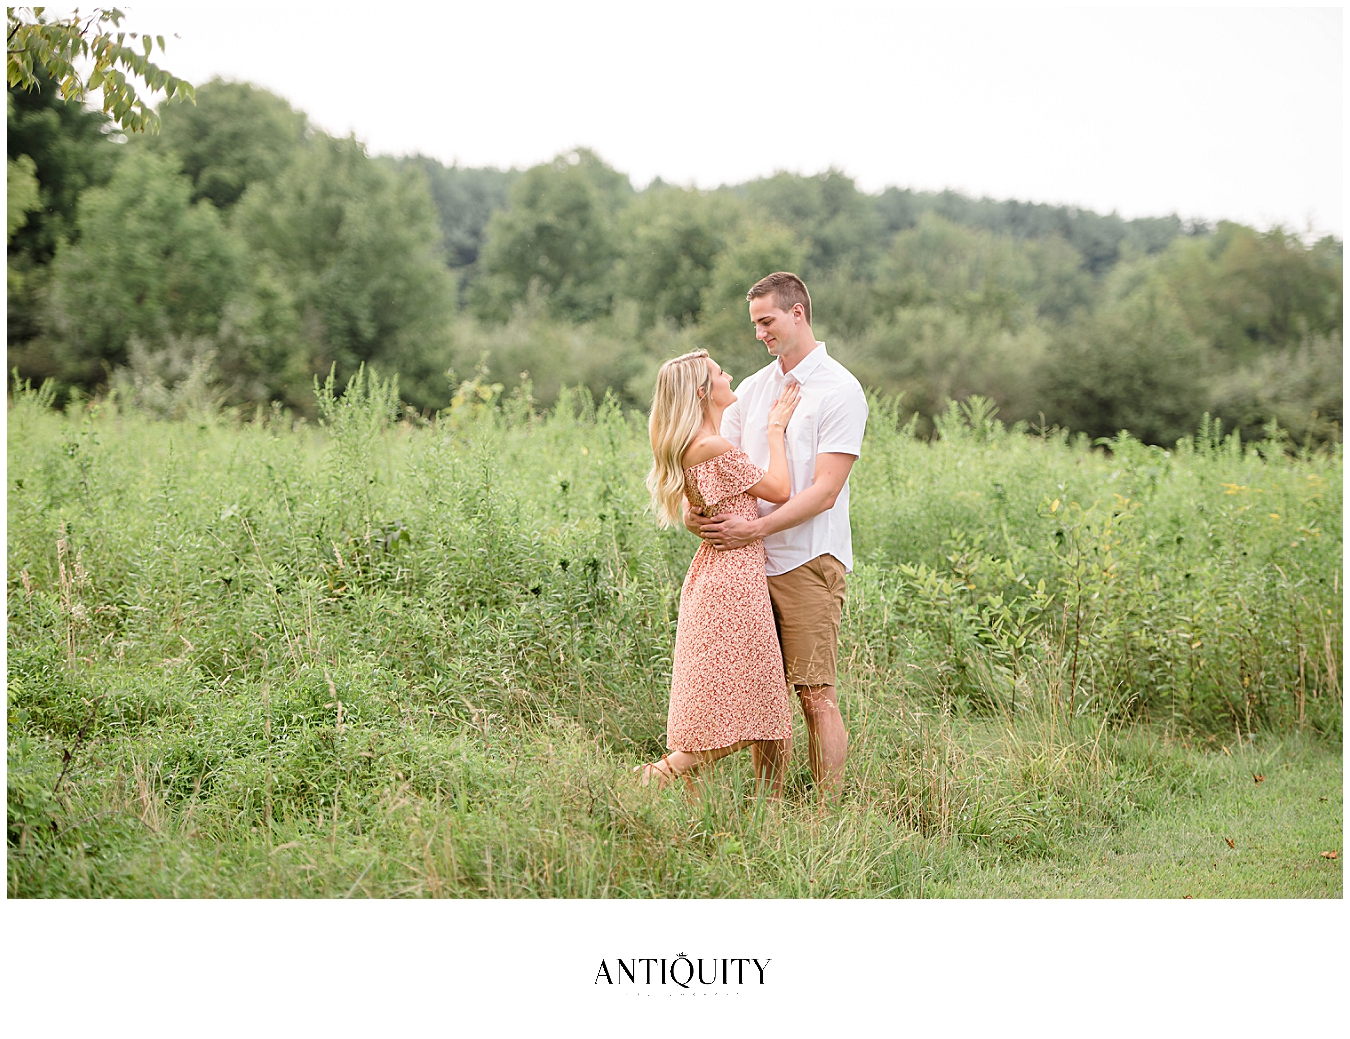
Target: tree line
pixel 242 252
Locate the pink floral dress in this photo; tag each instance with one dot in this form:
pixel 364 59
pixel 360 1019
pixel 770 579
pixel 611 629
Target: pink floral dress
pixel 727 683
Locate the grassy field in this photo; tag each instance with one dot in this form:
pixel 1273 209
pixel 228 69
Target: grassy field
pixel 381 657
pixel 1280 830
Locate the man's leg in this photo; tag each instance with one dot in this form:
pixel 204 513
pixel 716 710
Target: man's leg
pixel 807 605
pixel 827 736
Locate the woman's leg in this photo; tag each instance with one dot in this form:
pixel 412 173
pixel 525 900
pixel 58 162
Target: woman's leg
pixel 685 763
pixel 770 759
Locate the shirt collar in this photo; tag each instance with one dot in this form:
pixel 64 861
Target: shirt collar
pixel 806 365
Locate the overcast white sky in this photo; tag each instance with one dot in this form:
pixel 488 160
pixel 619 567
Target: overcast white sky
pixel 1209 113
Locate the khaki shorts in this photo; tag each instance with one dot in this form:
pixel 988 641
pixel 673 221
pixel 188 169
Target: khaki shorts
pixel 807 605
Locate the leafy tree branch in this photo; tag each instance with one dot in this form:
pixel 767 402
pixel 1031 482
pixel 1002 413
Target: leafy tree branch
pixel 37 45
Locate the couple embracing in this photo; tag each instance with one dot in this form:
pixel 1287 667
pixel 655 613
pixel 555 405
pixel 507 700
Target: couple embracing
pixel 761 475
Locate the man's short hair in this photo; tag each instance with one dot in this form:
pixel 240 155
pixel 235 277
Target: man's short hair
pixel 787 291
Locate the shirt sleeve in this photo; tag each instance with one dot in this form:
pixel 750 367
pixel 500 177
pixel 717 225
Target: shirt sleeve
pixel 731 423
pixel 842 423
pixel 727 475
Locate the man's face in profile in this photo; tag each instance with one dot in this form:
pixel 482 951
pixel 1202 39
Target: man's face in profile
pixel 774 327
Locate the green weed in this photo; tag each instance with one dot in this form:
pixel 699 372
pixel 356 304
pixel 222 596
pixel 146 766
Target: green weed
pixel 385 656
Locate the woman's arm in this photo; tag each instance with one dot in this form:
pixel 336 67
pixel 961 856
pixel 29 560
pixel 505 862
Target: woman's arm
pixel 776 486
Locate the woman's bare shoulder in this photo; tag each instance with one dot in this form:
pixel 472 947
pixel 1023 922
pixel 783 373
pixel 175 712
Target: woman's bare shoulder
pixel 705 450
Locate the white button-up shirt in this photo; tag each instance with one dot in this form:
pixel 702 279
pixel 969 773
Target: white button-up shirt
pixel 830 417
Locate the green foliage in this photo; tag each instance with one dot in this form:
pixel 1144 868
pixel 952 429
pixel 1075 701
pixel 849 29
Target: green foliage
pixel 398 657
pixel 1133 365
pixel 931 355
pixel 1101 240
pixel 982 275
pixel 234 135
pixel 543 357
pixel 555 238
pixel 148 265
pixel 465 200
pixel 725 330
pixel 1228 838
pixel 355 249
pixel 1297 388
pixel 39 48
pixel 21 193
pixel 967 272
pixel 70 153
pixel 330 257
pixel 1248 292
pixel 826 211
pixel 1058 316
pixel 1061 287
pixel 671 239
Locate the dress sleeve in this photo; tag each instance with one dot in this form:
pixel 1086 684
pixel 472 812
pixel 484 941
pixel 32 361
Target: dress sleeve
pixel 727 475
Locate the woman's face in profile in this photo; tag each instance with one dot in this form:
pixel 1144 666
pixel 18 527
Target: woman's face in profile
pixel 720 395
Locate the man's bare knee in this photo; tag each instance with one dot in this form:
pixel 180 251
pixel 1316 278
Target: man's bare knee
pixel 817 698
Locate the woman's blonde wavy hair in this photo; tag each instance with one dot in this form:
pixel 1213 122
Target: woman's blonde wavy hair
pixel 677 412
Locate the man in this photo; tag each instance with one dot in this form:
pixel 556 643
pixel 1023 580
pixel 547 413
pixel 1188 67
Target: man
pixel 807 539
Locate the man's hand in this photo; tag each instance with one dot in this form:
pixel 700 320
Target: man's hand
pixel 729 532
pixel 726 532
pixel 694 520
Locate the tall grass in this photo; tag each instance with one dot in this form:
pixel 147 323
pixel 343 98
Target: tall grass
pixel 380 656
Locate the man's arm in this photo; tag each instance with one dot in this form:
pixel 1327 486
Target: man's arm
pixel 732 532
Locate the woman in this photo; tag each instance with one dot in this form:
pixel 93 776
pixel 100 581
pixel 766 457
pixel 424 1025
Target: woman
pixel 727 690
